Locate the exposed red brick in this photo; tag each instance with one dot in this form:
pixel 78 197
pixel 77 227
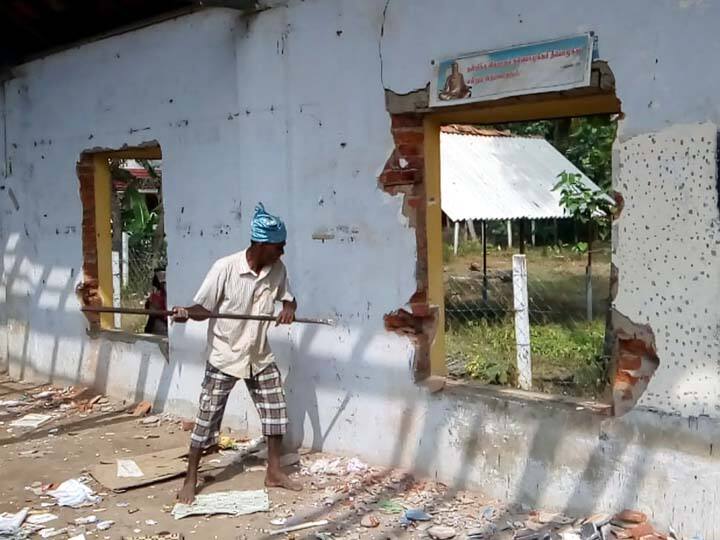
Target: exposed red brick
pixel 619 204
pixel 410 162
pixel 403 322
pixel 405 176
pixel 407 180
pixel 142 409
pixel 409 137
pixel 420 309
pixel 406 120
pixel 631 516
pixel 641 530
pixel 634 359
pixel 88 290
pixel 410 150
pixel 623 376
pixel 415 201
pixel 633 346
pixel 629 361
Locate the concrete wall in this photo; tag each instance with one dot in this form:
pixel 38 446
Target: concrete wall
pixel 288 107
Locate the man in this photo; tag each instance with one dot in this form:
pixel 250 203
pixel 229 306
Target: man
pixel 157 300
pixel 248 282
pixel 455 87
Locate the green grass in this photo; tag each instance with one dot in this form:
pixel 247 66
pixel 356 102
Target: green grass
pixel 566 348
pixel 566 358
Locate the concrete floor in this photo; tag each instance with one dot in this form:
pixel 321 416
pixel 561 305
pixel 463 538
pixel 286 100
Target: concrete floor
pixel 75 440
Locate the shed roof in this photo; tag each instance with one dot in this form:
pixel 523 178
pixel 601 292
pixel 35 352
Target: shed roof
pixel 486 175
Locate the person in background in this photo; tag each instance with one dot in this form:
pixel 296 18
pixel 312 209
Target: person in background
pixel 157 300
pixel 248 282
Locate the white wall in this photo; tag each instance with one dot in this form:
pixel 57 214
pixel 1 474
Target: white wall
pixel 288 107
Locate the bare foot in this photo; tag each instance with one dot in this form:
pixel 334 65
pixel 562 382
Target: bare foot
pixel 186 495
pixel 281 480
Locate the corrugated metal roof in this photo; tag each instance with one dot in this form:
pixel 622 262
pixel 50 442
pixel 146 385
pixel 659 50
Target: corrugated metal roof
pixel 490 177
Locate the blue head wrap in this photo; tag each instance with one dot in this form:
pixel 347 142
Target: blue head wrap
pixel 267 228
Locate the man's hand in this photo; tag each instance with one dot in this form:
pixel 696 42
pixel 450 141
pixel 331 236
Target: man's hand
pixel 180 314
pixel 287 314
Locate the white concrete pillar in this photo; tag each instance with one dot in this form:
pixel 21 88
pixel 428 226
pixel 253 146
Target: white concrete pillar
pixel 522 322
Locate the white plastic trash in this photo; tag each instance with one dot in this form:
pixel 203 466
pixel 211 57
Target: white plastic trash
pixel 74 494
pixel 10 523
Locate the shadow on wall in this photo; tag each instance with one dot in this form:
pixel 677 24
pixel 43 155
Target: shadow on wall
pixel 39 306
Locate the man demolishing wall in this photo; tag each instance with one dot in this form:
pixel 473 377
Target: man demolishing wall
pixel 247 282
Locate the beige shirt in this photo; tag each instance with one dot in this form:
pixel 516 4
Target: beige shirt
pixel 241 348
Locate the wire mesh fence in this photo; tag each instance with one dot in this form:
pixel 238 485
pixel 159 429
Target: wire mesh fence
pixel 567 346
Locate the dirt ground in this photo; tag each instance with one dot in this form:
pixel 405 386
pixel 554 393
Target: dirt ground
pixel 359 502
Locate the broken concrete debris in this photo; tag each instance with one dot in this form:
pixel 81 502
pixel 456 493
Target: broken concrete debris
pixel 39 519
pixel 31 420
pixel 142 409
pixel 369 522
pixel 104 525
pixel 441 532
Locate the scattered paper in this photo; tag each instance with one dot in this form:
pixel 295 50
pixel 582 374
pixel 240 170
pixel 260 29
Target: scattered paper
pixel 51 532
pixel 78 537
pixel 10 523
pixel 85 520
pixel 10 403
pixel 237 503
pixel 31 420
pixel 328 466
pixel 39 519
pixel 105 525
pixel 356 466
pixel 127 468
pixel 74 493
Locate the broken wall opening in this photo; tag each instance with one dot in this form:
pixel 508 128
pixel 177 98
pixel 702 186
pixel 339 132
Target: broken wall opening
pixel 413 170
pixel 538 189
pixel 124 246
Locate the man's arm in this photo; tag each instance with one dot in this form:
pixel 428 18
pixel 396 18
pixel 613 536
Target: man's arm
pixel 196 313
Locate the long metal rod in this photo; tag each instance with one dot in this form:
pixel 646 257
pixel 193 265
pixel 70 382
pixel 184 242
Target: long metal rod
pixel 212 315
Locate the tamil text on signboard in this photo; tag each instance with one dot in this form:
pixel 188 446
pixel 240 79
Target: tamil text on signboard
pixel 548 66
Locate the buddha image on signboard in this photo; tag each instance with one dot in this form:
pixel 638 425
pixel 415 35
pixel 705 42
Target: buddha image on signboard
pixel 455 87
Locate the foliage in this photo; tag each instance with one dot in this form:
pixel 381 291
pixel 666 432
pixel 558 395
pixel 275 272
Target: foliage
pixel 137 219
pixel 486 349
pixel 588 144
pixel 590 147
pixel 540 128
pixel 142 224
pixel 560 352
pixel 584 204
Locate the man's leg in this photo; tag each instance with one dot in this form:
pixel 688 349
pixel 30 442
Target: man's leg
pixel 267 394
pixel 216 387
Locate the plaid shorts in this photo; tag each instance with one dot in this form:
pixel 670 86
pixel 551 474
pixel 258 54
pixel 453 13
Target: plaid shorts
pixel 266 391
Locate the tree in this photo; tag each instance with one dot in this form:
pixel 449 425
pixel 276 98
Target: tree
pixel 590 207
pixel 585 141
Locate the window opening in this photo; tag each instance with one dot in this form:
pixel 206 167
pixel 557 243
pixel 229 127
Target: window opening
pixel 500 197
pixel 139 248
